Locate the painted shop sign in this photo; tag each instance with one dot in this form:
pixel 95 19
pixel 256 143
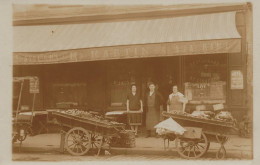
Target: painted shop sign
pixel 237 79
pixel 129 51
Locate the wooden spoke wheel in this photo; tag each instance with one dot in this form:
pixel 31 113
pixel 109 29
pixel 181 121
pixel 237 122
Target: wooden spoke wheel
pixel 77 141
pixel 192 148
pixel 96 140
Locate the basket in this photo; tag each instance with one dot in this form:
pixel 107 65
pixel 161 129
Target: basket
pixel 126 139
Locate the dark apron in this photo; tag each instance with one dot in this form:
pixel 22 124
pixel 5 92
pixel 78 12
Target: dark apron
pixel 152 114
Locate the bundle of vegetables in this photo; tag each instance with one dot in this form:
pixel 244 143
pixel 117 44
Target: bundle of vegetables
pixel 225 116
pixel 220 116
pixel 203 114
pixel 210 115
pixel 88 115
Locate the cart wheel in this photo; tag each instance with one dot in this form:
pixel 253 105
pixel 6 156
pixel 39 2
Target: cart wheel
pixel 22 138
pixel 96 140
pixel 192 148
pixel 77 141
pixel 208 145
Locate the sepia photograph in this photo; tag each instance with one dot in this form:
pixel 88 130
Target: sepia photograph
pixel 124 82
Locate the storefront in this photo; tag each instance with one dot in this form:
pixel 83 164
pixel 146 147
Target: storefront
pixel 92 65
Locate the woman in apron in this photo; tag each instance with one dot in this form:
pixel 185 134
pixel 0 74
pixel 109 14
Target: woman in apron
pixel 176 101
pixel 134 108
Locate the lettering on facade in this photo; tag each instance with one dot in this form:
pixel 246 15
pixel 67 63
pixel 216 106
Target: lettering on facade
pixel 149 50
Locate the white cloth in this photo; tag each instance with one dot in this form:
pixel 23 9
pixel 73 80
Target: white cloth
pixel 176 94
pixel 169 126
pixel 181 96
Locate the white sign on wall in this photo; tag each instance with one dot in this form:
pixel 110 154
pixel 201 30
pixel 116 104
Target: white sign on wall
pixel 237 79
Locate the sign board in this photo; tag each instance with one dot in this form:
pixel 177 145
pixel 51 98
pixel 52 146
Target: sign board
pixel 129 51
pixel 237 79
pixel 34 85
pixel 218 107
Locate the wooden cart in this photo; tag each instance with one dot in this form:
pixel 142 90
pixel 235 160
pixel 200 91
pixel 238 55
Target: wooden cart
pixel 22 121
pixel 82 134
pixel 195 142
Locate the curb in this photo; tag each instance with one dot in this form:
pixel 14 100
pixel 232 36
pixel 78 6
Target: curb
pixel 234 154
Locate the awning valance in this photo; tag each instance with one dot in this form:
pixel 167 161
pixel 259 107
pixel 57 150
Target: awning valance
pixel 187 35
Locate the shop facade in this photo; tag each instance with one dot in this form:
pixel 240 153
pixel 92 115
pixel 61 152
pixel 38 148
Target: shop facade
pixel 91 65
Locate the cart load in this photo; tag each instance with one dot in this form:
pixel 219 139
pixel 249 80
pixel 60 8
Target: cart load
pixel 82 131
pixel 220 117
pixel 22 122
pixel 89 116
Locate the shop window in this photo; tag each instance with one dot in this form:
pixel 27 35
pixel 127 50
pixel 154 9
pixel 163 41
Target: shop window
pixel 119 91
pixel 121 76
pixel 68 95
pixel 205 79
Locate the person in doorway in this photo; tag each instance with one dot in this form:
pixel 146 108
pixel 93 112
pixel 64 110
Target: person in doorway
pixel 176 101
pixel 153 101
pixel 134 107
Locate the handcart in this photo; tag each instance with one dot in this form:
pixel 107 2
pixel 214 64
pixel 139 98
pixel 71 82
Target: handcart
pixel 195 142
pixel 82 134
pixel 22 121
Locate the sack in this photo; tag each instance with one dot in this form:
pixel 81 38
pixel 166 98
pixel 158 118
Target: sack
pixel 169 126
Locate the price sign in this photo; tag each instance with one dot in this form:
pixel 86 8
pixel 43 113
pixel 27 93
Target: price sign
pixel 34 85
pixel 237 79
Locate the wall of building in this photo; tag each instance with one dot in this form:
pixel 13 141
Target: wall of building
pixel 95 77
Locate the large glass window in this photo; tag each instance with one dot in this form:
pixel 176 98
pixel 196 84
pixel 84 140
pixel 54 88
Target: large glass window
pixel 205 78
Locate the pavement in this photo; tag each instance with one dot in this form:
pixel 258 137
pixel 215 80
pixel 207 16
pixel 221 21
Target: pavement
pixel 237 147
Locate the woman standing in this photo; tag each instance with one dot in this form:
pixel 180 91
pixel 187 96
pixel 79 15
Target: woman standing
pixel 134 107
pixel 153 102
pixel 176 102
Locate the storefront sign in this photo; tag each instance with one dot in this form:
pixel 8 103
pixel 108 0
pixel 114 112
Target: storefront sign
pixel 130 51
pixel 34 85
pixel 237 79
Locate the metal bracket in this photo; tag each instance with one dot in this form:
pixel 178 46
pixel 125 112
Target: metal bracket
pixel 221 153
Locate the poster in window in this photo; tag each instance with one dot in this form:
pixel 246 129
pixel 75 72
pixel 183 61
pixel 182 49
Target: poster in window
pixel 237 79
pixel 34 85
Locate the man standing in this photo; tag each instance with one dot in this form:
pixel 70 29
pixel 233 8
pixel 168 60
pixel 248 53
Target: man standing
pixel 153 102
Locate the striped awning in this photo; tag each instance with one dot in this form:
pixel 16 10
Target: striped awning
pixel 170 36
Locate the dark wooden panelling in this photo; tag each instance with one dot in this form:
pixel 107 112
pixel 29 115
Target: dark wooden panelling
pixel 235 59
pixel 236 97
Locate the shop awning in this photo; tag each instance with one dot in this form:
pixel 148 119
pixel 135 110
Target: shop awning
pixel 186 35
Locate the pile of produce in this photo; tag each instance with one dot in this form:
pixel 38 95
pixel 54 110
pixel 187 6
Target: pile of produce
pixel 88 115
pixel 210 115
